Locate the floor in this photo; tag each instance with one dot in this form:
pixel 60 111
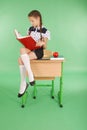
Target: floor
pixel 44 113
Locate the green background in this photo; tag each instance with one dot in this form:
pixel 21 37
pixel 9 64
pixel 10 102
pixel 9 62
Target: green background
pixel 67 22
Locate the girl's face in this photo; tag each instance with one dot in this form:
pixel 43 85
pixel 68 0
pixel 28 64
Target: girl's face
pixel 35 21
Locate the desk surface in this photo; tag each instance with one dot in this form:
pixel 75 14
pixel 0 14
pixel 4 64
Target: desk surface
pixel 48 60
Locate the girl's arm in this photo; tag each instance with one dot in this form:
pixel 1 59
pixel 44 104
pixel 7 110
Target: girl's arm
pixel 42 43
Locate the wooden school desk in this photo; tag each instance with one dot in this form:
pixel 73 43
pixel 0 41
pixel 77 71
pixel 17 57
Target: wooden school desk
pixel 47 70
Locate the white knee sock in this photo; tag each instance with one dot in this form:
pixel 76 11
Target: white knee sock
pixel 23 78
pixel 26 60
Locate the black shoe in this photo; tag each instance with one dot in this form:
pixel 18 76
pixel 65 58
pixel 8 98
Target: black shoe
pixel 32 83
pixel 20 95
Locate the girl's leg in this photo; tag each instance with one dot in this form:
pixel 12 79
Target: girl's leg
pixel 26 55
pixel 32 55
pixel 23 83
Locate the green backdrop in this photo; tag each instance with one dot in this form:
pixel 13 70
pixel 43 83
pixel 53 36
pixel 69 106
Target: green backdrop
pixel 67 22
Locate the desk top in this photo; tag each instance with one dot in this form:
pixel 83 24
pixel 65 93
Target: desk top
pixel 51 60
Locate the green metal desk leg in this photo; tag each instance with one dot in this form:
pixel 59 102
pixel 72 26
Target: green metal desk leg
pixel 34 92
pixel 24 98
pixel 61 87
pixel 52 90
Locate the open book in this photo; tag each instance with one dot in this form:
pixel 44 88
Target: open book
pixel 27 41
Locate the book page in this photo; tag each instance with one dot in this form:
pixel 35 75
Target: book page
pixel 18 35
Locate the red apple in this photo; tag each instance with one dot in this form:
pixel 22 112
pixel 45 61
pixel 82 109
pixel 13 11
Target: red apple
pixel 55 54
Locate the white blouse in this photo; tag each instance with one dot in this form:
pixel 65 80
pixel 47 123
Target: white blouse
pixel 35 33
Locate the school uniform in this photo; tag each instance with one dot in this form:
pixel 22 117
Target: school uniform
pixel 35 34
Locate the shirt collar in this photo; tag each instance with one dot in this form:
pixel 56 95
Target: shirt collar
pixel 38 27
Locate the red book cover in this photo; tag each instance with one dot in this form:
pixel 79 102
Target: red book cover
pixel 27 41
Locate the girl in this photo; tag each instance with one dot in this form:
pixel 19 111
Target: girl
pixel 41 36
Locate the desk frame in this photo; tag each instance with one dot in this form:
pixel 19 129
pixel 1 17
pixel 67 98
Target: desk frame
pixel 60 92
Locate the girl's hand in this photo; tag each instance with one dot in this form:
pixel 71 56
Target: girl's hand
pixel 40 43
